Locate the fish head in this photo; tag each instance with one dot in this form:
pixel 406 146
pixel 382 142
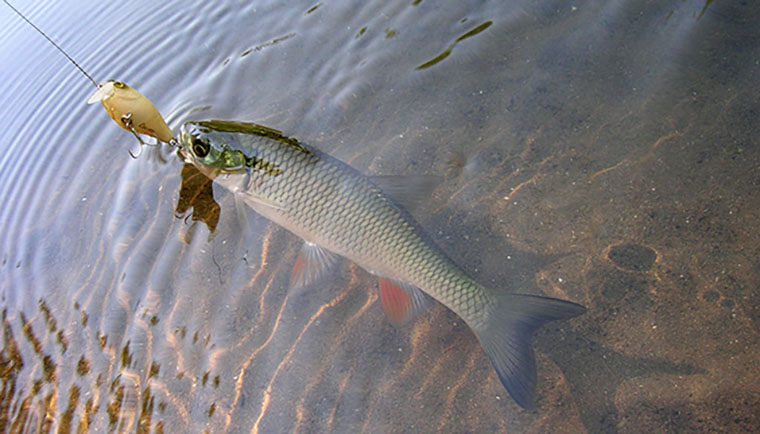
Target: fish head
pixel 211 149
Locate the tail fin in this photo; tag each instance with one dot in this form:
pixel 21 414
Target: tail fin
pixel 506 338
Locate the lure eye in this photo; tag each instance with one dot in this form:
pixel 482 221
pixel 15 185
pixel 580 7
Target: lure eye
pixel 200 148
pixel 119 85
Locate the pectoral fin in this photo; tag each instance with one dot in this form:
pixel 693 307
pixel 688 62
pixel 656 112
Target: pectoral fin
pixel 312 263
pixel 401 302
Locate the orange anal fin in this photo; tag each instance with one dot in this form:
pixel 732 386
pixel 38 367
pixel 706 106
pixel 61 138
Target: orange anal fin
pixel 401 302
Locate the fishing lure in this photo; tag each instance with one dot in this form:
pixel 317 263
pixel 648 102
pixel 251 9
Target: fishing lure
pixel 130 109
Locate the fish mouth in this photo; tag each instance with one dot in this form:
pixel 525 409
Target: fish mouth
pixel 183 132
pixel 184 156
pixel 185 138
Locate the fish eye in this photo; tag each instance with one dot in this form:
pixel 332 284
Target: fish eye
pixel 200 148
pixel 119 85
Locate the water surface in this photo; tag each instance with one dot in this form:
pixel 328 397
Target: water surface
pixel 601 152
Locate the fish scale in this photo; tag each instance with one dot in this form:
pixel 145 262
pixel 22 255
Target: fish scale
pixel 328 203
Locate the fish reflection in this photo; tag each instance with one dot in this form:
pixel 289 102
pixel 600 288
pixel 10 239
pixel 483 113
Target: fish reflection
pixel 197 194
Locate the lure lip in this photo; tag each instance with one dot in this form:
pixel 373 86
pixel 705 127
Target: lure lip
pixel 105 91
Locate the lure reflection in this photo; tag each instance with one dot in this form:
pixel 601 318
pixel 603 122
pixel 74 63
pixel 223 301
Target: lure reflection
pixel 132 111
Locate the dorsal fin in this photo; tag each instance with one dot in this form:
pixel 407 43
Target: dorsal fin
pixel 408 190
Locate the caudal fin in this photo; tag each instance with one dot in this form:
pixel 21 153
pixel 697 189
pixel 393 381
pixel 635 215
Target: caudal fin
pixel 506 338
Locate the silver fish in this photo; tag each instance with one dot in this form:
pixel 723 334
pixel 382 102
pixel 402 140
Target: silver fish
pixel 340 212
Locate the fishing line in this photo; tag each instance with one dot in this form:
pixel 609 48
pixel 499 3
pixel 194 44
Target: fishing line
pixel 94 83
pixel 130 109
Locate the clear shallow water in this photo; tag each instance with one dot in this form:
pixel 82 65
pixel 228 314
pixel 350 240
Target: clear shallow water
pixel 605 152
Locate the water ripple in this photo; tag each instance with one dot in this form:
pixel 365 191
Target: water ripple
pixel 119 315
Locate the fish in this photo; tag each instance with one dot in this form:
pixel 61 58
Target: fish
pixel 339 212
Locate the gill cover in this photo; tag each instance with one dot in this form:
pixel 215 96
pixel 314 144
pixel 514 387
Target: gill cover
pixel 124 102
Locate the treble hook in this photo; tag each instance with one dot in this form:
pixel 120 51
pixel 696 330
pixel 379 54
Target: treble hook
pixel 128 123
